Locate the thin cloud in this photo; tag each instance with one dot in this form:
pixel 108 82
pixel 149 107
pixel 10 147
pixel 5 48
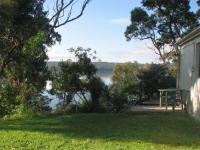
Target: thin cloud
pixel 121 21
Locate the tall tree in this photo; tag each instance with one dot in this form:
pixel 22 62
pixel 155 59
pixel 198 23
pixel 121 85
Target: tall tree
pixel 26 30
pixel 74 77
pixel 125 74
pixel 22 33
pixel 163 22
pixel 125 77
pixel 22 20
pixel 79 78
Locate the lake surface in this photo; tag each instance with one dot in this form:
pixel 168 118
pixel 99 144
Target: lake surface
pixel 55 100
pixel 107 79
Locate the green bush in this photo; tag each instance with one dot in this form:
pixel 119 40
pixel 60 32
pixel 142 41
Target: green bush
pixel 40 105
pixel 8 99
pixel 19 112
pixel 70 108
pixel 99 95
pixel 118 99
pixel 63 109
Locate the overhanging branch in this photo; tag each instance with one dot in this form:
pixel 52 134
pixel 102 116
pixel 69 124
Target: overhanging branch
pixel 63 12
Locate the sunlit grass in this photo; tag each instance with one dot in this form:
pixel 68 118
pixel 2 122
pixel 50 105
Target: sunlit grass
pixel 102 131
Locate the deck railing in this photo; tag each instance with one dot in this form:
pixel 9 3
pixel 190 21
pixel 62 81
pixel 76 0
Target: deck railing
pixel 174 97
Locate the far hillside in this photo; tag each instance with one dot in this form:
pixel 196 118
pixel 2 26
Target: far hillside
pixel 103 68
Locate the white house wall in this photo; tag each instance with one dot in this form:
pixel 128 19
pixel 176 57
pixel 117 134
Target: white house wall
pixel 189 75
pixel 186 65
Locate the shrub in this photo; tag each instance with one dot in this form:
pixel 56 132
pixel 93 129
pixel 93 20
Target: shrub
pixel 7 98
pixel 118 99
pixel 19 112
pixel 99 95
pixel 40 105
pixel 70 108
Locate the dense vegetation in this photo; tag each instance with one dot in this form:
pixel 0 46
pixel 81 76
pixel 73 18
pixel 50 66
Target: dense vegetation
pixel 141 83
pixel 131 83
pixel 26 31
pixel 77 79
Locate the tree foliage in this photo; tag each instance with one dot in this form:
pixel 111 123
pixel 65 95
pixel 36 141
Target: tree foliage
pixel 79 78
pixel 134 83
pixel 26 30
pixel 153 77
pixel 74 76
pixel 8 100
pixel 198 11
pixel 23 34
pixel 125 76
pixel 125 84
pixel 117 99
pixel 163 22
pixel 99 94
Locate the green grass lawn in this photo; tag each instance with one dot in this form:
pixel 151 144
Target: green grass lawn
pixel 102 132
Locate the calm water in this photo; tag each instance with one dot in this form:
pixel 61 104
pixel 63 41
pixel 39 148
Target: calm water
pixel 55 100
pixel 107 79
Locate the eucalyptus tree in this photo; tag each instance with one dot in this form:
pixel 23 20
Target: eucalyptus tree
pixel 27 29
pixel 74 77
pixel 163 22
pixel 125 85
pixel 25 21
pixel 125 76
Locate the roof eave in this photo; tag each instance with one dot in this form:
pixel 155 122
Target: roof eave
pixel 190 36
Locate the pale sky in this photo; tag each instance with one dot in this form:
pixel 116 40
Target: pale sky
pixel 102 28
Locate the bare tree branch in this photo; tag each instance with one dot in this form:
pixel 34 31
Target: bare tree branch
pixel 64 9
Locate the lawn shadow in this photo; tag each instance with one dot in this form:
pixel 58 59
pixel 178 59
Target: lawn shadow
pixel 174 129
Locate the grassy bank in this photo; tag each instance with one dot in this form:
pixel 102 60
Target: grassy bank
pixel 102 131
